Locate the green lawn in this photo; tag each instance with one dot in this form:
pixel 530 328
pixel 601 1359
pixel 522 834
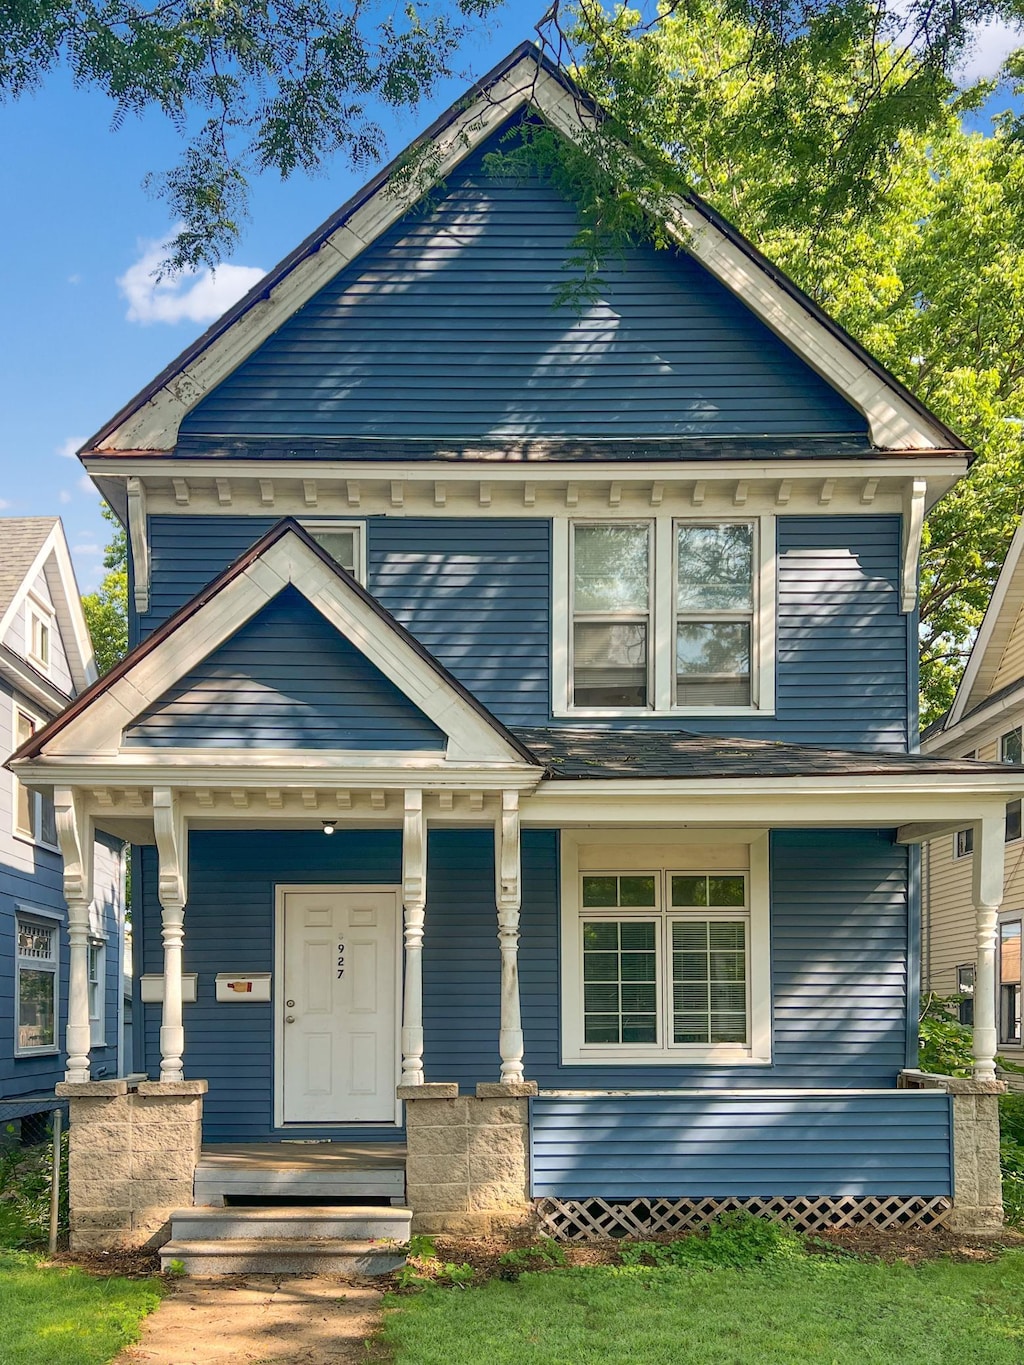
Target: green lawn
pixel 784 1312
pixel 53 1315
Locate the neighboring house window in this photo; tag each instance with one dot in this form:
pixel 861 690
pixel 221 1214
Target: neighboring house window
pixel 1009 981
pixel 36 986
pixel 963 843
pixel 39 635
pixel 661 615
pixel 344 542
pixel 97 993
pixel 661 966
pixel 1012 751
pixel 965 989
pixel 33 812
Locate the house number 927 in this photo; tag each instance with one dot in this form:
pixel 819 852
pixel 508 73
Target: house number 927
pixel 341 960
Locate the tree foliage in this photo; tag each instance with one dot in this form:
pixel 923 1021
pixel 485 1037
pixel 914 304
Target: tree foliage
pixel 279 85
pixel 846 160
pixel 106 609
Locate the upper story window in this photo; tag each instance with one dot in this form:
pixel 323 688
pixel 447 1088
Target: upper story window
pixel 344 541
pixel 34 816
pixel 663 616
pixel 39 632
pixel 1010 751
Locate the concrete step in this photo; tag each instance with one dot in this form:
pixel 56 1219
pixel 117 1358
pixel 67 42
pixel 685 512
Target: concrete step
pixel 349 1223
pixel 281 1256
pixel 214 1183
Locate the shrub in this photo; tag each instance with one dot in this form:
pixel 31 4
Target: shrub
pixel 737 1240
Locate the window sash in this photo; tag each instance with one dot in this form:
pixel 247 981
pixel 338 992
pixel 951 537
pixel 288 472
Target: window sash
pixel 708 687
pixel 625 682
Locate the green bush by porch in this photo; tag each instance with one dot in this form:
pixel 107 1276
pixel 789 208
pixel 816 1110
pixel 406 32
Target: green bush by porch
pixel 787 1311
pixel 57 1315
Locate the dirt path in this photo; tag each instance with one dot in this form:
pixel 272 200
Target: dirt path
pixel 260 1318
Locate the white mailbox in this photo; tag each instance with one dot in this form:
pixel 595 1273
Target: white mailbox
pixel 243 986
pixel 152 987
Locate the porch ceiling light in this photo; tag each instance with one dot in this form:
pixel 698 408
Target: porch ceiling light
pixel 329 826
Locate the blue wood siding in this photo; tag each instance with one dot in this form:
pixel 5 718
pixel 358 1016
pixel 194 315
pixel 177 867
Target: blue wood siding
pixel 286 679
pixel 477 593
pixel 447 327
pixel 692 1146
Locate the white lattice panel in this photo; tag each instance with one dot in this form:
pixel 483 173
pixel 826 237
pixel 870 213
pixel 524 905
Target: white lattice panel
pixel 577 1220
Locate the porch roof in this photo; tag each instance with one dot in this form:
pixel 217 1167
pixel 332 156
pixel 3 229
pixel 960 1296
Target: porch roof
pixel 579 753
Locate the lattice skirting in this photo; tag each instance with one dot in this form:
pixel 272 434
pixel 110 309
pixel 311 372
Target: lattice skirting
pixel 577 1220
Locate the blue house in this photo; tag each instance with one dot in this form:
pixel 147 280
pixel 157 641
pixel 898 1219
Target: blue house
pixel 518 743
pixel 46 659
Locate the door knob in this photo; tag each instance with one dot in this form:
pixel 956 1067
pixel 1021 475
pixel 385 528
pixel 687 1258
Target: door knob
pixel 289 1019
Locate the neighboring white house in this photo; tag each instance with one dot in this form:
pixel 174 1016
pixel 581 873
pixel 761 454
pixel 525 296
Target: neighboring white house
pixel 46 659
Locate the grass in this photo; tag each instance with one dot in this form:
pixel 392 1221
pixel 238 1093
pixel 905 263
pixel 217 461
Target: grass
pixel 55 1315
pixel 785 1311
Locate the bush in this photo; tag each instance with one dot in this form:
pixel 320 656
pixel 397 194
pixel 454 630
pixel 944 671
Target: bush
pixel 733 1240
pixel 25 1190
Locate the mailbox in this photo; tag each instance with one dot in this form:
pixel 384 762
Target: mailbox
pixel 243 986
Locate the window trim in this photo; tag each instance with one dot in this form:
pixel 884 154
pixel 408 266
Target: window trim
pixel 574 1052
pixel 661 631
pixel 26 836
pixel 324 524
pixel 52 919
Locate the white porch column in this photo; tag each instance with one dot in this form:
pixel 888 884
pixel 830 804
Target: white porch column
pixel 989 846
pixel 77 846
pixel 414 901
pixel 509 897
pixel 172 892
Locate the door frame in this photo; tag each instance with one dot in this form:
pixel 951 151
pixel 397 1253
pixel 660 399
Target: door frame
pixel 281 891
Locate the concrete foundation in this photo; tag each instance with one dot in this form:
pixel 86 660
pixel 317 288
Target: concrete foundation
pixel 977 1182
pixel 133 1154
pixel 467 1169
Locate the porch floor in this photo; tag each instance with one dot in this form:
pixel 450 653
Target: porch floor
pixel 321 1171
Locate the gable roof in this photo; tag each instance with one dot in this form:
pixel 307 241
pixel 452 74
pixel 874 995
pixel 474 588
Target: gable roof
pixel 526 79
pixel 287 554
pixel 30 546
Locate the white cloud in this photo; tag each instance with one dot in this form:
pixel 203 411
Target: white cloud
pixel 64 496
pixel 189 296
pixel 69 448
pixel 86 550
pixel 993 43
pixel 74 279
pixel 4 503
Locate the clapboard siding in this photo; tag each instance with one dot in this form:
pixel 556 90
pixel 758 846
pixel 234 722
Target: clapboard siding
pixel 477 593
pixel 287 679
pixel 692 1146
pixel 448 327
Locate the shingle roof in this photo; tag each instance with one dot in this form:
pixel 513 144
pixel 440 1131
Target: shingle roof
pixel 591 753
pixel 21 539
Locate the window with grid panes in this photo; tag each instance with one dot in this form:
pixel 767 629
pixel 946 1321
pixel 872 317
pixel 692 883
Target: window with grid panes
pixel 665 959
pixel 36 967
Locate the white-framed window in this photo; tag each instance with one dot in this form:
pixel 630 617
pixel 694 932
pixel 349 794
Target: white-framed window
pixel 1011 748
pixel 663 615
pixel 97 992
pixel 965 989
pixel 37 956
pixel 665 950
pixel 1010 982
pixel 963 842
pixel 344 541
pixel 39 633
pixel 34 816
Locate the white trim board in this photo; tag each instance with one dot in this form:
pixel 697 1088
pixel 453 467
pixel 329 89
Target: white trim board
pixel 1001 615
pixel 96 732
pixel 151 422
pixel 53 561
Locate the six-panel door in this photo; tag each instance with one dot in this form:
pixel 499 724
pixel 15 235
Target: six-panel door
pixel 338 1006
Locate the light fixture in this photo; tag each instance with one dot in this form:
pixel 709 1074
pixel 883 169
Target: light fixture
pixel 329 826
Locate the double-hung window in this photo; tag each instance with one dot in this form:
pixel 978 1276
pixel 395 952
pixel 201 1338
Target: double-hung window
pixel 965 990
pixel 34 816
pixel 97 1001
pixel 1011 750
pixel 344 542
pixel 36 986
pixel 664 963
pixel 1009 981
pixel 662 615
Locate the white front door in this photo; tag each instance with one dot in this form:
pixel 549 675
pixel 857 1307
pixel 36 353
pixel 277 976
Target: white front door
pixel 336 1009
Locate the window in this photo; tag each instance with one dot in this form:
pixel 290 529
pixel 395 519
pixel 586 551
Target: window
pixel 36 987
pixel 611 615
pixel 663 615
pixel 39 638
pixel 1009 981
pixel 662 963
pixel 1010 747
pixel 343 541
pixel 714 581
pixel 97 1001
pixel 963 843
pixel 965 989
pixel 34 816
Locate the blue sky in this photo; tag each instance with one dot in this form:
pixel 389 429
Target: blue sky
pixel 82 328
